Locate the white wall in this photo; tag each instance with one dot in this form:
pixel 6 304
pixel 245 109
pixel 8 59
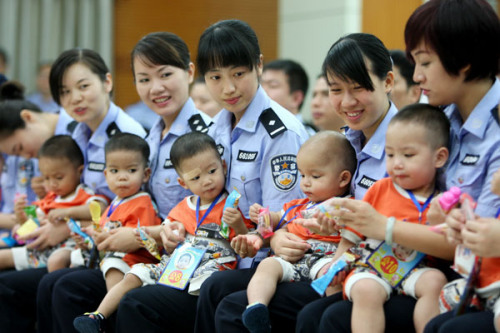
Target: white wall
pixel 308 28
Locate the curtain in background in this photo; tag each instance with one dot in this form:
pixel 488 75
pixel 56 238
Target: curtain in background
pixel 36 31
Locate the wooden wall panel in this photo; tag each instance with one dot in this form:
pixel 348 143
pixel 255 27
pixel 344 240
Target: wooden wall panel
pixel 386 19
pixel 135 18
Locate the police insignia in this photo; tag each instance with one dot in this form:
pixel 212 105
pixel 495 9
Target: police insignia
pixel 112 130
pixel 196 123
pixel 284 171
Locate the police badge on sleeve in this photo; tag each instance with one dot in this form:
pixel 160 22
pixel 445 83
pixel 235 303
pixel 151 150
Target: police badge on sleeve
pixel 284 171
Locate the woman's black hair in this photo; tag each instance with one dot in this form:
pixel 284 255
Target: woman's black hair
pixel 228 43
pixel 162 48
pixel 347 57
pixel 90 58
pixel 461 32
pixel 11 104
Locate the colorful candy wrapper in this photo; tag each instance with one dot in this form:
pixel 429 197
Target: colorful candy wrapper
pixel 30 225
pixel 321 283
pixel 95 212
pixel 231 201
pixel 264 226
pixel 148 242
pixel 74 227
pixel 449 198
pixel 31 212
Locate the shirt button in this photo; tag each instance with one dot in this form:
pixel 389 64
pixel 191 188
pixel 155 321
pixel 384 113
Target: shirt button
pixel 243 178
pixel 167 180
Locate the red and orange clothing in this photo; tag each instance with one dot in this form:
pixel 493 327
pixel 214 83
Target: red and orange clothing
pixel 126 213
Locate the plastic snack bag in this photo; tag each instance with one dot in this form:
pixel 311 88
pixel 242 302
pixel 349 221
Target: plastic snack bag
pixel 231 201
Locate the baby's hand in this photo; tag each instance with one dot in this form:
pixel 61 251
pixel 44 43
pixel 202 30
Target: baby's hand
pixel 435 214
pixel 80 242
pixel 455 221
pixel 232 217
pixel 19 204
pixel 327 226
pixel 172 234
pixel 254 212
pixel 312 225
pixel 247 245
pixel 57 215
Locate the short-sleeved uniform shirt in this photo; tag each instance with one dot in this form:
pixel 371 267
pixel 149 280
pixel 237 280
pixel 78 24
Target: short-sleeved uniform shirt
pixel 92 146
pixel 371 158
pixel 263 150
pixel 475 151
pixel 163 184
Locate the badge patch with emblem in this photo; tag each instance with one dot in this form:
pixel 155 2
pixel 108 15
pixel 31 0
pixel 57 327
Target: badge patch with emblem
pixel 284 171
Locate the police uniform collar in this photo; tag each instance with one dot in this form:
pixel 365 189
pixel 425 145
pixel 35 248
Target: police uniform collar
pixel 375 146
pixel 481 115
pixel 180 124
pixel 105 128
pixel 250 118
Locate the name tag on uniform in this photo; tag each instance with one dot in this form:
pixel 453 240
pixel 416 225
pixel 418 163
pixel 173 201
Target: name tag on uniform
pixel 470 159
pixel 96 166
pixel 181 266
pixel 168 164
pixel 247 156
pixel 366 182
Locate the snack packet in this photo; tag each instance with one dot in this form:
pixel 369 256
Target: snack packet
pixel 148 242
pixel 321 283
pixel 231 201
pixel 264 226
pixel 30 225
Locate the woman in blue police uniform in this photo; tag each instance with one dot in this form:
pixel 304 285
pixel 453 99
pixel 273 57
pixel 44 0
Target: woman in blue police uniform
pixel 455 48
pixel 260 138
pixel 456 60
pixel 81 84
pixel 162 71
pixel 18 130
pixel 84 92
pixel 359 72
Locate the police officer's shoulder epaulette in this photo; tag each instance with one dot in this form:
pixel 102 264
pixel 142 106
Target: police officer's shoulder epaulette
pixel 196 123
pixel 494 113
pixel 272 123
pixel 71 126
pixel 112 129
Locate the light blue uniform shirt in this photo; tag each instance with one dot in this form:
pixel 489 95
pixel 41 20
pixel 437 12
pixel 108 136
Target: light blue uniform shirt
pixel 144 115
pixel 17 173
pixel 475 151
pixel 92 145
pixel 16 179
pixel 262 149
pixel 65 125
pixel 163 184
pixel 371 158
pixel 46 106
